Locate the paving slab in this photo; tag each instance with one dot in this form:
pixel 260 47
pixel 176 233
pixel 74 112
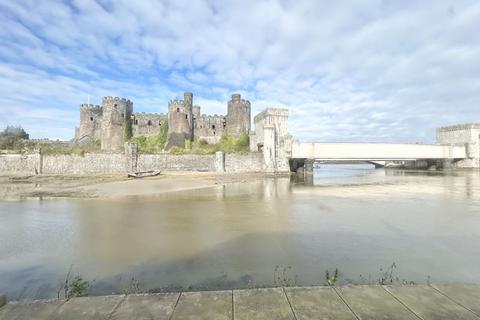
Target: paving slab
pixel 467 295
pixel 320 303
pixel 88 308
pixel 261 304
pixel 146 307
pixel 211 305
pixel 32 310
pixel 429 303
pixel 373 302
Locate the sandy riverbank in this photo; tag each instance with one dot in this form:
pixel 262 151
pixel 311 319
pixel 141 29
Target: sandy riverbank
pixel 111 186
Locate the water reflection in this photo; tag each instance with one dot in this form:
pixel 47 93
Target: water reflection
pixel 236 235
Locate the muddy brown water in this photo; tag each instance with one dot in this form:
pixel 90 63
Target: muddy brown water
pixel 260 233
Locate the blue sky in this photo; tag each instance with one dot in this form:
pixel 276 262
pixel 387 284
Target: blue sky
pixel 364 70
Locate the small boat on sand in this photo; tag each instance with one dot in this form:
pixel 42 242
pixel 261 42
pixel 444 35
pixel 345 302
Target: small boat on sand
pixel 143 174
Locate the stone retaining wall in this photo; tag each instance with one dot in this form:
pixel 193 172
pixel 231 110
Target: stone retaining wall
pixel 252 162
pixel 116 163
pixel 89 163
pixel 185 162
pixel 19 164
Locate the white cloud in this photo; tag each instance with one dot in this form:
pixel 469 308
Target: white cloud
pixel 361 70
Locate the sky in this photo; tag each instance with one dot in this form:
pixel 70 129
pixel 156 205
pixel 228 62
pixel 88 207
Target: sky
pixel 359 70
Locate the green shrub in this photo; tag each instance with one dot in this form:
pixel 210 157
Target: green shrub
pixel 227 144
pixel 152 144
pixel 78 287
pixel 127 134
pixel 188 144
pixel 177 150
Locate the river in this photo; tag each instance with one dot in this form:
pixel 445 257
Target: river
pixel 405 226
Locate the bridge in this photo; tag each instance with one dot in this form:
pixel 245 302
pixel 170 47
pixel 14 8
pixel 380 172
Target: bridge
pixel 374 151
pixel 457 145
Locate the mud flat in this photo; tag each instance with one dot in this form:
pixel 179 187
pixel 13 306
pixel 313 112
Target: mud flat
pixel 110 186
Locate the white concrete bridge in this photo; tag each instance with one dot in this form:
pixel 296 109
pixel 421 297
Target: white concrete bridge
pixel 456 144
pixel 374 151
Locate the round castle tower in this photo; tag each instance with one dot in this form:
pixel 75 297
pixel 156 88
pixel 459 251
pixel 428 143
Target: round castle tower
pixel 116 119
pixel 238 116
pixel 90 123
pixel 180 121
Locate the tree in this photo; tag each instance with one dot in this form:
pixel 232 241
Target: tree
pixel 14 132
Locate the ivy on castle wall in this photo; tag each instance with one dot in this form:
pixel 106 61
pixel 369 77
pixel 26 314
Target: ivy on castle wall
pixel 152 144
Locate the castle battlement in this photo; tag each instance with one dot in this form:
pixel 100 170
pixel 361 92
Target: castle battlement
pixel 110 99
pixel 465 126
pixel 236 102
pixel 176 104
pixel 215 116
pixel 148 114
pixel 93 107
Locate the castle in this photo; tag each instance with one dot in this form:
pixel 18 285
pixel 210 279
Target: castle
pixel 111 123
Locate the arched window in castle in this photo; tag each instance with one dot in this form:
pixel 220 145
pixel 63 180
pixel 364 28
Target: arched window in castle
pixel 91 118
pixel 178 109
pixel 136 121
pixel 213 126
pixel 186 116
pixel 149 122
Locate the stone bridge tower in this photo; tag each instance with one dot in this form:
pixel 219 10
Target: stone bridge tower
pixel 180 121
pixel 116 120
pixel 238 116
pixel 272 138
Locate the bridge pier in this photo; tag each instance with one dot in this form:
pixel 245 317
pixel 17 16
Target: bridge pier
pixel 309 166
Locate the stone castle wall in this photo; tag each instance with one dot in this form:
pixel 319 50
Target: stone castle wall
pixel 147 124
pixel 209 128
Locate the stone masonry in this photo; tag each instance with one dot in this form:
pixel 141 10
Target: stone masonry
pixel 467 135
pixel 272 138
pixel 110 122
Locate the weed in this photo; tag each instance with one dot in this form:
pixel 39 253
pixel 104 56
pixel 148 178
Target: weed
pixel 282 277
pixel 330 280
pixel 387 275
pixel 78 287
pixel 134 287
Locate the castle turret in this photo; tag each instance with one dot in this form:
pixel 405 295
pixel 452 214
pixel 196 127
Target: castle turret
pixel 89 130
pixel 238 116
pixel 116 121
pixel 180 121
pixel 196 112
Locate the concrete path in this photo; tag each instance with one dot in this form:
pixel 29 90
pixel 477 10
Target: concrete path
pixel 292 303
